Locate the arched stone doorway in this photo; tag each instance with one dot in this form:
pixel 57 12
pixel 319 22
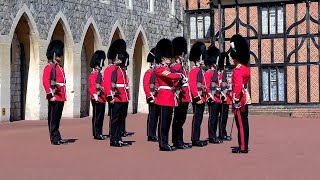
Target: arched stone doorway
pixel 20 62
pixel 87 51
pixel 138 67
pixel 61 31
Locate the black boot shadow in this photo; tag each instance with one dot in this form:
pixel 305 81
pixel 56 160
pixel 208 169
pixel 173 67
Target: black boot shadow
pixel 71 141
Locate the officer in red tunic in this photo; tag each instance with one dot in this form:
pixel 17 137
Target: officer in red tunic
pixel 198 88
pixel 53 81
pixel 97 95
pixel 240 54
pixel 180 49
pixel 116 86
pixel 165 99
pixel 149 87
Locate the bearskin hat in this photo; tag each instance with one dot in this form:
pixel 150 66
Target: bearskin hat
pixel 224 60
pixel 212 56
pixel 180 46
pixel 96 59
pixel 163 49
pixel 197 51
pixel 55 47
pixel 239 49
pixel 150 57
pixel 118 48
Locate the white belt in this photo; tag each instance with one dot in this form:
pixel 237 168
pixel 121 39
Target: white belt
pixel 61 84
pixel 165 87
pixel 185 85
pixel 122 86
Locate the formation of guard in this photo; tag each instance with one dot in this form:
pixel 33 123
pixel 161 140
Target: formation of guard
pixel 169 89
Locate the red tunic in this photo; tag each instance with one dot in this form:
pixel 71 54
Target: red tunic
pixel 193 84
pixel 93 87
pixel 146 83
pixel 165 81
pixel 240 80
pixel 122 84
pixel 60 80
pixel 185 94
pixel 216 97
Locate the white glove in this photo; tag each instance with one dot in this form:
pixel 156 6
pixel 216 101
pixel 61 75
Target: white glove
pixel 95 97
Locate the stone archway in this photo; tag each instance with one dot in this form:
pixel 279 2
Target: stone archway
pixel 138 67
pixel 20 55
pixel 60 30
pixel 87 51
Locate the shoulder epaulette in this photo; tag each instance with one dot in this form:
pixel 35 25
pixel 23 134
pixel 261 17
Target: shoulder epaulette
pixel 238 66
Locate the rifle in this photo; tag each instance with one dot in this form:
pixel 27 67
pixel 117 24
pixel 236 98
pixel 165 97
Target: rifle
pixel 53 77
pixel 99 80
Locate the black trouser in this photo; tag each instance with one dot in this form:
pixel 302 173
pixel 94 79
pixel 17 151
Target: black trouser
pixel 217 113
pixel 97 118
pixel 164 124
pixel 198 110
pixel 118 114
pixel 179 118
pixel 54 116
pixel 152 120
pixel 243 128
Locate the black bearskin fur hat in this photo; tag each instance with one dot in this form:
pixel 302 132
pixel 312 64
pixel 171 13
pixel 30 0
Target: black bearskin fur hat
pixel 212 55
pixel 224 60
pixel 197 50
pixel 239 49
pixel 55 46
pixel 150 57
pixel 180 46
pixel 96 59
pixel 118 47
pixel 163 49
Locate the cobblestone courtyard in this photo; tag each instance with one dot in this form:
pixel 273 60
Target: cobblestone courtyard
pixel 281 148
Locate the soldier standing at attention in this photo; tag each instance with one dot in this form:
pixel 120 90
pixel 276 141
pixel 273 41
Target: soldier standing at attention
pixel 97 94
pixel 180 49
pixel 149 87
pixel 116 86
pixel 198 88
pixel 53 81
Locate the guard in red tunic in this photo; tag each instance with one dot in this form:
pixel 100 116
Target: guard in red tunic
pixel 97 94
pixel 116 86
pixel 240 54
pixel 213 85
pixel 225 95
pixel 198 88
pixel 180 49
pixel 54 83
pixel 219 96
pixel 149 87
pixel 165 99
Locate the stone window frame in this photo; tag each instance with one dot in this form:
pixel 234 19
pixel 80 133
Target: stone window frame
pixel 151 4
pixel 201 29
pixel 172 8
pixel 272 15
pixel 129 4
pixel 278 79
pixel 105 1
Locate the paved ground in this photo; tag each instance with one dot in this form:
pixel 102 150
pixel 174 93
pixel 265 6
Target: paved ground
pixel 281 148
